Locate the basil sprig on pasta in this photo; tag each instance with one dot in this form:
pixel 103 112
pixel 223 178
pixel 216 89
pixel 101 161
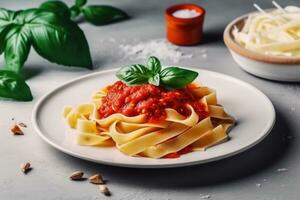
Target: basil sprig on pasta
pixel 152 73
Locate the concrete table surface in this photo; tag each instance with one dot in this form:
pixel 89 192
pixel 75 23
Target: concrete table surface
pixel 250 175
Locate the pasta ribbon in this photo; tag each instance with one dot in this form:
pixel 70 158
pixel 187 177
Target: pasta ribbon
pixel 174 116
pixel 134 136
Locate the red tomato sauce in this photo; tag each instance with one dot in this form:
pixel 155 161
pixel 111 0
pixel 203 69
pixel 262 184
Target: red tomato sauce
pixel 183 151
pixel 149 100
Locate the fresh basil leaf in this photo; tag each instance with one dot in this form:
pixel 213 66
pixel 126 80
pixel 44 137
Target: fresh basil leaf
pixel 23 17
pixel 57 7
pixel 154 65
pixel 154 80
pixel 6 19
pixel 75 11
pixel 3 32
pixel 14 87
pixel 80 3
pixel 59 41
pixel 17 47
pixel 101 14
pixel 134 74
pixel 175 77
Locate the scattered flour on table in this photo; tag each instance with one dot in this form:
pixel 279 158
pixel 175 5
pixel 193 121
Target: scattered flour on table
pixel 206 196
pixel 282 170
pixel 156 47
pixel 293 109
pixel 258 184
pixel 111 39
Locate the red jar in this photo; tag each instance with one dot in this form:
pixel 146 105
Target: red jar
pixel 185 31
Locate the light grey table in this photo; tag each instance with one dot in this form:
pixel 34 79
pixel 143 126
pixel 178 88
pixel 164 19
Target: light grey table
pixel 233 178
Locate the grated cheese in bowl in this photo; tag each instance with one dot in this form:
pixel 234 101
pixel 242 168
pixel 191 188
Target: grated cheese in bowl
pixel 274 32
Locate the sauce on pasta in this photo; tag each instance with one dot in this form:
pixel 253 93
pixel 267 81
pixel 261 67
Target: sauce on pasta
pixel 177 154
pixel 149 100
pixel 145 120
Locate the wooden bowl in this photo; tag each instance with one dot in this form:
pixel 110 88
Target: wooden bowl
pixel 280 68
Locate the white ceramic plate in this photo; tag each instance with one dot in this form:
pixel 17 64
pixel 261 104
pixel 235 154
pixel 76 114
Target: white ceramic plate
pixel 253 110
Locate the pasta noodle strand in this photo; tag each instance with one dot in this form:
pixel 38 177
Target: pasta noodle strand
pixel 135 136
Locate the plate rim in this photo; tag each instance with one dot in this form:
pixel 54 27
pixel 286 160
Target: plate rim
pixel 41 100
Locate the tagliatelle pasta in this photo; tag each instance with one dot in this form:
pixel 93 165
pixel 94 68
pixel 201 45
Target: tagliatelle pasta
pixel 139 136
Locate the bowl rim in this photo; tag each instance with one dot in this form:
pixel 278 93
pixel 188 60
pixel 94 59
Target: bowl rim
pixel 234 46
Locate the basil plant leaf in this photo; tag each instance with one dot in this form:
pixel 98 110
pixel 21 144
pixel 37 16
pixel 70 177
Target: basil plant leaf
pixel 154 80
pixel 134 74
pixel 175 77
pixel 154 65
pixel 57 7
pixel 6 19
pixel 80 3
pixel 75 11
pixel 102 14
pixel 3 32
pixel 23 17
pixel 14 86
pixel 59 41
pixel 17 47
pixel 6 15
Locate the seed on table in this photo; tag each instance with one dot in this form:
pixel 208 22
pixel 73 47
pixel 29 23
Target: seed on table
pixel 96 179
pixel 104 190
pixel 15 129
pixel 25 167
pixel 77 175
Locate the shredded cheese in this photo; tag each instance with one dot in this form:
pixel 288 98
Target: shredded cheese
pixel 275 32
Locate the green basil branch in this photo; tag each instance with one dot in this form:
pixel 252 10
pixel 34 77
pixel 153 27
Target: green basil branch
pixel 53 37
pixel 95 14
pixel 50 31
pixel 169 77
